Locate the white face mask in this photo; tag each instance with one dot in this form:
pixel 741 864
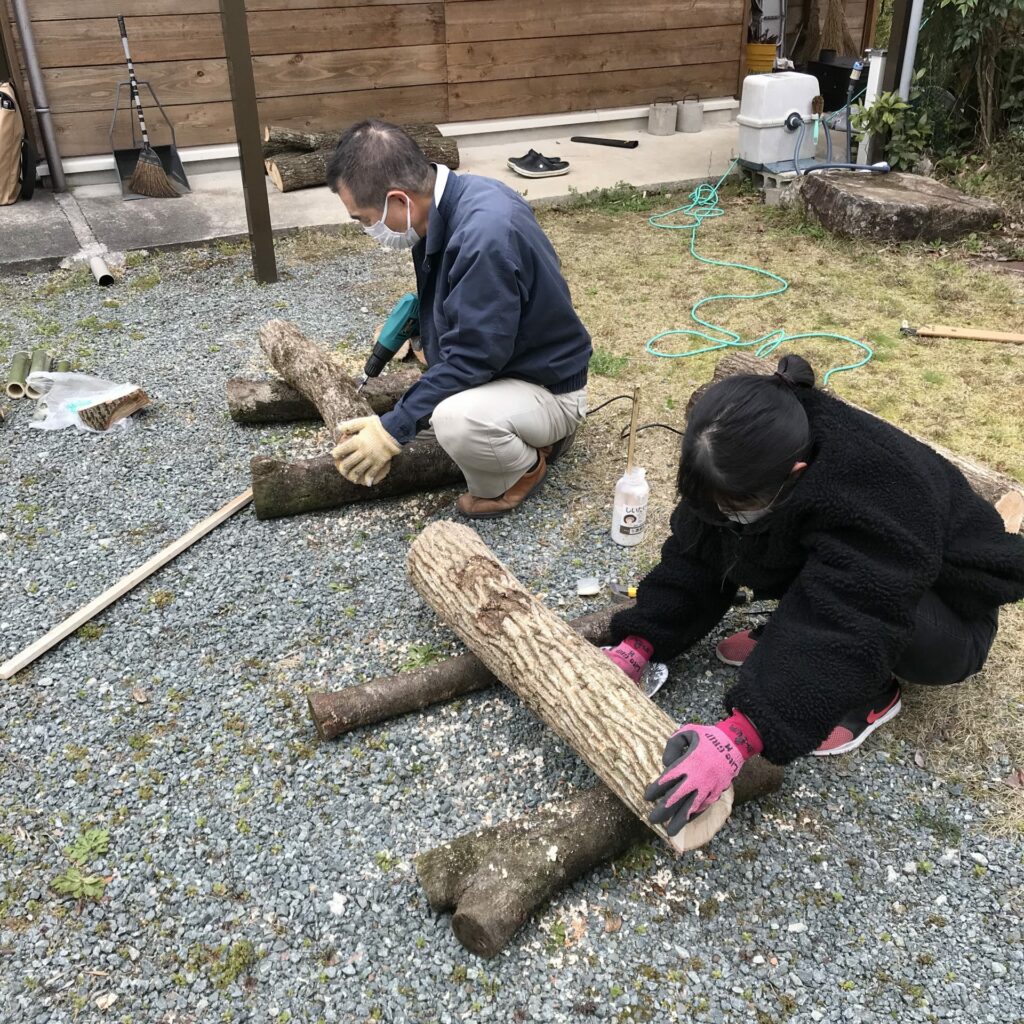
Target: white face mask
pixel 390 238
pixel 746 517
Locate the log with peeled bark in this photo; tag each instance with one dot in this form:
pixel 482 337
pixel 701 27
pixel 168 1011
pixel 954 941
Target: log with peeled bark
pixel 495 878
pixel 311 370
pixel 309 485
pixel 335 712
pixel 438 148
pixel 996 488
pixel 569 684
pixel 275 401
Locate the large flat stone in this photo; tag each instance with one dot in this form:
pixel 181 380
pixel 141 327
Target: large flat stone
pixel 894 207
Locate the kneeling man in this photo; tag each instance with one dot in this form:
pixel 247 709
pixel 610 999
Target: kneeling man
pixel 506 355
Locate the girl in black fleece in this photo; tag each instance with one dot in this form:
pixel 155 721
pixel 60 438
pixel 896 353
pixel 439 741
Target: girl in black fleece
pixel 885 563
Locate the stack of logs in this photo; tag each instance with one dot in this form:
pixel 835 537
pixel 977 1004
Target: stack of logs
pixel 297 159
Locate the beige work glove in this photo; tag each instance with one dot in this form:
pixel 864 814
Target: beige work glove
pixel 365 451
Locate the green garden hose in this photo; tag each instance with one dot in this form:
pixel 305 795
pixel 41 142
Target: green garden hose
pixel 704 205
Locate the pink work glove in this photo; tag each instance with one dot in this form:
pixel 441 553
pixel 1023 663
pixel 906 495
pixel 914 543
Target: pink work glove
pixel 702 761
pixel 631 656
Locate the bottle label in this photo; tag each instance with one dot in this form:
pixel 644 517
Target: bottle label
pixel 633 520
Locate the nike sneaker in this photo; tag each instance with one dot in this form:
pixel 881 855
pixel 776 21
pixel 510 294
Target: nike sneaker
pixel 856 726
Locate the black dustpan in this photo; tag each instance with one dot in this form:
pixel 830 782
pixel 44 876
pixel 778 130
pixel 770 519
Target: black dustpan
pixel 127 159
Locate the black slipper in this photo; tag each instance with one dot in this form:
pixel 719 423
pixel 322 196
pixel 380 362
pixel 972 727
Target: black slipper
pixel 536 165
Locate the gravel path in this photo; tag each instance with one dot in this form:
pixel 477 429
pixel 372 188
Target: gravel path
pixel 251 874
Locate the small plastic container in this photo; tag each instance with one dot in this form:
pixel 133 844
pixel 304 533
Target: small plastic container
pixel 629 511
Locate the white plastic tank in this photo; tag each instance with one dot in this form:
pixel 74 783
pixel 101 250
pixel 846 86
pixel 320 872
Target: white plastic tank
pixel 766 102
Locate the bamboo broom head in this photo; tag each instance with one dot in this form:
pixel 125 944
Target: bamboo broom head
pixel 149 177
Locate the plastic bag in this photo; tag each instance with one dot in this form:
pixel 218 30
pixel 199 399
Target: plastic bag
pixel 64 395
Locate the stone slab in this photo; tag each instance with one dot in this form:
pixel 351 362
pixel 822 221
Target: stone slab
pixel 894 207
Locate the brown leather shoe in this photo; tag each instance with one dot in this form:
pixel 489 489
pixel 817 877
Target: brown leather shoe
pixel 473 507
pixel 553 452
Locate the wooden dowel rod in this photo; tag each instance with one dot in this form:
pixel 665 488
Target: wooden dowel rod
pixel 969 334
pixel 119 589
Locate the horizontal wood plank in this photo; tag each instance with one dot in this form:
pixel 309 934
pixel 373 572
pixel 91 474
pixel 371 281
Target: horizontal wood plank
pixel 477 20
pixel 478 100
pixel 206 81
pixel 206 124
pixel 72 10
pixel 528 58
pixel 96 41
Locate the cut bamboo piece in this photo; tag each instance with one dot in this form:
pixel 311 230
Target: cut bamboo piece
pixel 119 589
pixel 63 366
pixel 17 374
pixel 41 363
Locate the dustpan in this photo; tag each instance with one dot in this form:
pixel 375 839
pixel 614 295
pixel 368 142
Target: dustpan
pixel 126 159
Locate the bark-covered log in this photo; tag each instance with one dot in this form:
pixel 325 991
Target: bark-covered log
pixel 275 401
pixel 308 485
pixel 986 482
pixel 292 169
pixel 310 369
pixel 569 684
pixel 495 878
pixel 439 149
pixel 335 712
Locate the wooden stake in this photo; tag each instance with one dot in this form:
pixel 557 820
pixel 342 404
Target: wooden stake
pixel 969 334
pixel 632 429
pixel 133 579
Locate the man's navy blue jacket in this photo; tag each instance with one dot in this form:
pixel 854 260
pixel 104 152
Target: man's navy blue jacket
pixel 493 303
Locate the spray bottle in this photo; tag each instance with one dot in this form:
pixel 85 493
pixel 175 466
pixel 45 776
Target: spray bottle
pixel 629 510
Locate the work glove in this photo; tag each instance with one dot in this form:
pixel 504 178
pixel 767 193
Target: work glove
pixel 702 761
pixel 631 655
pixel 365 451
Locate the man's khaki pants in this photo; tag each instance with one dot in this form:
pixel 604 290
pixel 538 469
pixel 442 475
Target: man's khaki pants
pixel 493 432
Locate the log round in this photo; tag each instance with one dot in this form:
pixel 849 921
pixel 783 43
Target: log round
pixel 495 878
pixel 308 485
pixel 275 401
pixel 566 682
pixel 987 483
pixel 310 369
pixel 339 711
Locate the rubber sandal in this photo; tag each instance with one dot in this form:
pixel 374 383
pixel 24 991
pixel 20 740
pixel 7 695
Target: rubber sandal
pixel 536 165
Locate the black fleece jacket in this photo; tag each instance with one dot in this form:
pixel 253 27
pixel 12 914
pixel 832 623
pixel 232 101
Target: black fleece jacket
pixel 875 520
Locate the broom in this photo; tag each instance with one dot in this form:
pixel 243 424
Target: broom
pixel 148 178
pixel 835 34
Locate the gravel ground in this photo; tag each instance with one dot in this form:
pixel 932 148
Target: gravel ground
pixel 253 875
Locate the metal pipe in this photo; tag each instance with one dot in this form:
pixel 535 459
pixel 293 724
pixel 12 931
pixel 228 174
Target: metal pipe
pixel 35 81
pixel 913 29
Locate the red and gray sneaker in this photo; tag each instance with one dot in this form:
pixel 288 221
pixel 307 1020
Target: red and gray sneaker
pixel 856 726
pixel 735 649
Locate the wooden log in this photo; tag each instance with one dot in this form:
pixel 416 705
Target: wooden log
pixel 335 712
pixel 495 878
pixel 274 401
pixel 309 485
pixel 438 148
pixel 292 170
pixel 310 369
pixel 570 685
pixel 995 487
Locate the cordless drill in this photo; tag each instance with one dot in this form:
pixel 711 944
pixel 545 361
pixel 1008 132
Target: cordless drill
pixel 402 324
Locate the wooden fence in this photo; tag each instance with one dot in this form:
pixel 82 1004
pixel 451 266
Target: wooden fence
pixel 324 63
